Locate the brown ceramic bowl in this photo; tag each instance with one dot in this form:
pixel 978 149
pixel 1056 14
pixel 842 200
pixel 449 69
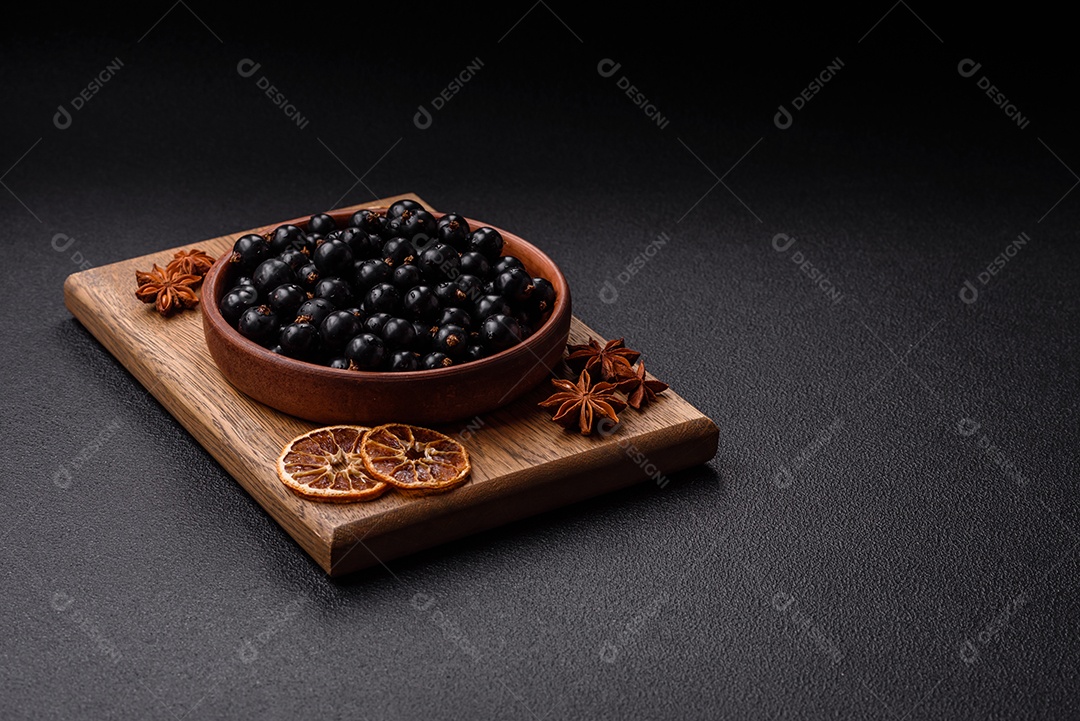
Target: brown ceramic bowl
pixel 330 395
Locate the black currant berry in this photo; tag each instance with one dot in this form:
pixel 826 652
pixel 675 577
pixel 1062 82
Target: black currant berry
pixel 308 277
pixel 453 230
pixel 487 241
pixel 477 264
pixel 399 333
pixel 471 287
pixel 454 316
pixel 514 284
pixel 335 290
pixel 403 360
pixel 366 352
pixel 236 301
pixel 398 209
pixel 505 263
pixel 543 297
pixel 339 362
pixel 362 244
pixel 271 273
pixel 425 333
pixel 248 251
pixel 321 224
pixel 500 332
pixel 418 224
pixel 382 298
pixel 286 299
pixel 406 277
pixel 286 237
pixel 333 258
pixel 433 361
pixel 339 328
pixel 374 323
pixel 370 221
pixel 420 303
pixel 258 323
pixel 451 340
pixel 397 251
pixel 473 352
pixel 314 311
pixel 370 273
pixel 244 280
pixel 448 294
pixel 295 259
pixel 439 262
pixel 490 305
pixel 299 340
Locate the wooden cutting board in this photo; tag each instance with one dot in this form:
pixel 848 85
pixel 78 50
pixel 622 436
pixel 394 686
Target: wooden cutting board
pixel 523 463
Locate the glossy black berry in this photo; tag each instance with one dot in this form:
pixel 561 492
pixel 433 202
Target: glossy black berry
pixel 449 294
pixel 454 316
pixel 514 284
pixel 286 237
pixel 314 311
pixel 236 301
pixel 244 280
pixel 370 273
pixel 362 244
pixel 433 361
pixel 439 262
pixel 451 340
pixel 398 208
pixel 505 263
pixel 474 351
pixel 477 264
pixel 295 259
pixel 371 221
pixel 339 328
pixel 543 297
pixel 299 340
pixel 487 241
pixel 406 277
pixel 418 225
pixel 271 273
pixel 321 224
pixel 490 305
pixel 399 333
pixel 397 251
pixel 471 287
pixel 453 230
pixel 339 362
pixel 382 298
pixel 308 277
pixel 500 332
pixel 420 303
pixel 248 251
pixel 374 323
pixel 403 360
pixel 425 333
pixel 333 258
pixel 286 299
pixel 335 290
pixel 258 323
pixel 366 352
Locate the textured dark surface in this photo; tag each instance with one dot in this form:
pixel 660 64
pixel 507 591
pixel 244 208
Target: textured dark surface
pixel 857 549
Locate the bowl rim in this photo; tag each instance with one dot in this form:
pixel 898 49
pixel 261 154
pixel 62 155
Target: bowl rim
pixel 212 314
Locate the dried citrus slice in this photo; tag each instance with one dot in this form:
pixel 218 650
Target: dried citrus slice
pixel 416 461
pixel 325 465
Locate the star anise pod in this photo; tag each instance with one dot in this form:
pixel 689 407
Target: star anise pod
pixel 583 402
pixel 640 391
pixel 191 262
pixel 168 290
pixel 610 359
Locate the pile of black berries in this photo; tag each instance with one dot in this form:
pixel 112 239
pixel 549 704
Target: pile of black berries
pixel 399 290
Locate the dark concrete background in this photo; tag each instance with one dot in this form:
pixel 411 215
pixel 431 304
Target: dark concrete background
pixel 890 527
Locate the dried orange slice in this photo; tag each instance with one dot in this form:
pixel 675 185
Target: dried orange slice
pixel 416 461
pixel 325 465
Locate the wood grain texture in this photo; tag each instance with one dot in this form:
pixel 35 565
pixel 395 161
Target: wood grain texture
pixel 523 463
